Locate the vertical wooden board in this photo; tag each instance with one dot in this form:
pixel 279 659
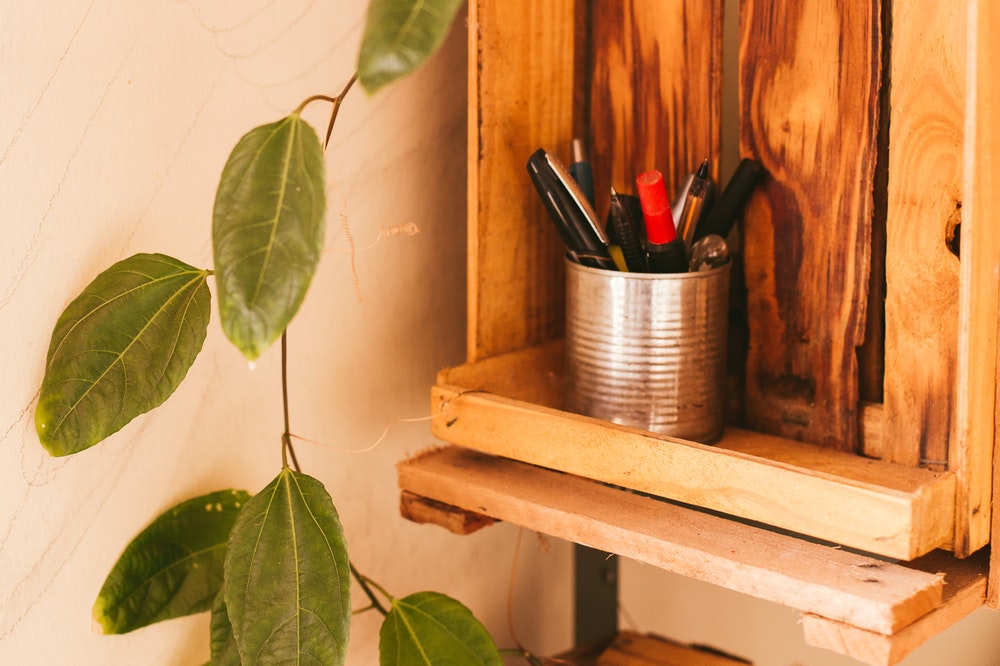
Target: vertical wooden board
pixel 809 88
pixel 871 354
pixel 972 455
pixel 927 115
pixel 520 99
pixel 656 92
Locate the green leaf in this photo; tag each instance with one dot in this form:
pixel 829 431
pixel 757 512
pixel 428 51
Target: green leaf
pixel 430 628
pixel 172 568
pixel 120 349
pixel 267 230
pixel 224 650
pixel 287 576
pixel 400 35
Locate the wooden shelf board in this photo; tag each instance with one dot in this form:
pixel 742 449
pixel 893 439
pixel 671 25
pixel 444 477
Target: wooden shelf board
pixel 509 405
pixel 632 649
pixel 829 582
pixel 964 592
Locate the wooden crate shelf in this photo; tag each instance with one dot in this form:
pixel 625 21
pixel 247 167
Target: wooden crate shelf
pixel 509 406
pixel 858 331
pixel 871 606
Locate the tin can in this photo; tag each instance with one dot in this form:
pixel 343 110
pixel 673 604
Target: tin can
pixel 648 350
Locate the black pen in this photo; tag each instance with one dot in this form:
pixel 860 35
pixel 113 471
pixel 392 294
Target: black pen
pixel 627 234
pixel 727 210
pixel 568 207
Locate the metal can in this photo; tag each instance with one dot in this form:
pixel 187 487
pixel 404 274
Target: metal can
pixel 648 350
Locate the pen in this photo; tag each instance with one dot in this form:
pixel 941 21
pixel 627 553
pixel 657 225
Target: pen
pixel 627 234
pixel 664 247
pixel 569 209
pixel 580 169
pixel 694 204
pixel 677 206
pixel 727 210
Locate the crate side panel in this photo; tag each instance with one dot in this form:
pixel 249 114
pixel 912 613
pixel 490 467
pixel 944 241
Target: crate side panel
pixel 925 180
pixel 522 80
pixel 809 96
pixel 972 455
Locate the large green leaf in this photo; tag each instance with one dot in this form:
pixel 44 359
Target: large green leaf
pixel 287 576
pixel 399 36
pixel 223 643
pixel 172 568
pixel 429 628
pixel 120 349
pixel 267 230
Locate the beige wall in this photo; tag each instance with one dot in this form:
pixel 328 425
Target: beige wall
pixel 115 121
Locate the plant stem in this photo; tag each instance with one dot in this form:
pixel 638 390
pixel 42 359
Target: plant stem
pixel 286 437
pixel 336 109
pixel 313 98
pixel 366 585
pixel 336 101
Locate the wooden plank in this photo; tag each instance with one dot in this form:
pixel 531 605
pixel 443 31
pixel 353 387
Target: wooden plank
pixel 656 92
pixel 925 182
pixel 872 430
pixel 964 591
pixel 979 294
pixel 879 507
pixel 633 649
pixel 834 583
pixel 423 510
pixel 809 90
pixel 521 95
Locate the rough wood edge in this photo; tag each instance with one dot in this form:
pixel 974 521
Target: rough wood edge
pixel 964 592
pixel 979 298
pixel 853 588
pixel 904 521
pixel 424 510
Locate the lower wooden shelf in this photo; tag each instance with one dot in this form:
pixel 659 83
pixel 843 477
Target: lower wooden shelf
pixel 872 609
pixel 633 649
pixel 510 405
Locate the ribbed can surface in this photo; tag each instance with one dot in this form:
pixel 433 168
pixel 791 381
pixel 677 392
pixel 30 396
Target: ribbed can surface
pixel 648 350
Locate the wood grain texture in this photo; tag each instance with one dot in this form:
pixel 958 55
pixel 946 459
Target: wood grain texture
pixel 809 87
pixel 982 201
pixel 521 98
pixel 831 582
pixel 924 197
pixel 423 510
pixel 536 69
pixel 656 91
pixel 879 507
pixel 964 589
pixel 975 448
pixel 632 649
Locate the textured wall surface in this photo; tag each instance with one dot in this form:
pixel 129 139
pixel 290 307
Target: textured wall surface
pixel 115 121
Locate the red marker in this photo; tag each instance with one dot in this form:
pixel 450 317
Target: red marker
pixel 665 248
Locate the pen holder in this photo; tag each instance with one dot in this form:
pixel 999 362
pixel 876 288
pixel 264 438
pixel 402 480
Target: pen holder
pixel 648 350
